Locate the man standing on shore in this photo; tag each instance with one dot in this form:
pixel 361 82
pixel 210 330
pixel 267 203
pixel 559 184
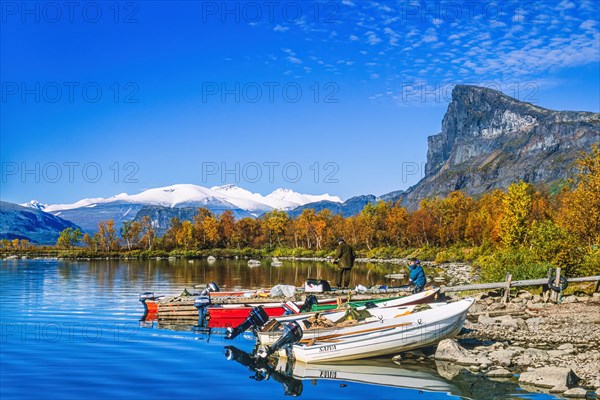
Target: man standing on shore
pixel 417 275
pixel 344 258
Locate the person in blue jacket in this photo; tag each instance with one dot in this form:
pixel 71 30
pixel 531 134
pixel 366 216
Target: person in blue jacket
pixel 417 275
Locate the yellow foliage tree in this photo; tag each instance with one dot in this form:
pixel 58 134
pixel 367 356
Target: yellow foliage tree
pixel 517 206
pixel 580 211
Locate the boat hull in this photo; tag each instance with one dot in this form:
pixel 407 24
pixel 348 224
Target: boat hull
pixel 221 317
pixel 392 336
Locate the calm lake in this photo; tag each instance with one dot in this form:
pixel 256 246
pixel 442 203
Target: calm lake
pixel 72 330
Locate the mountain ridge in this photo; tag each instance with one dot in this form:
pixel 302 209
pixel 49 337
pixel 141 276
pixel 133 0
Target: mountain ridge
pixel 122 207
pixel 489 140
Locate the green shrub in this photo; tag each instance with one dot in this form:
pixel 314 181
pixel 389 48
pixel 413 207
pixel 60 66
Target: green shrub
pixel 590 265
pixel 519 262
pixel 427 253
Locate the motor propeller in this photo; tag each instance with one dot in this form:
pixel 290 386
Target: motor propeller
pixel 292 333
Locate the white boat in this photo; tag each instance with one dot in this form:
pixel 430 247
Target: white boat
pixel 374 372
pixel 426 296
pixel 271 332
pixel 391 336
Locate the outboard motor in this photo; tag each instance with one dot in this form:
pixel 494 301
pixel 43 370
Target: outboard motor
pixel 264 371
pixel 147 296
pixel 292 333
pixel 201 302
pixel 258 317
pixel 310 301
pixel 210 287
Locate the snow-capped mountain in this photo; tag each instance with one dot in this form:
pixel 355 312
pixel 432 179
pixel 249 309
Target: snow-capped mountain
pixel 34 204
pixel 124 207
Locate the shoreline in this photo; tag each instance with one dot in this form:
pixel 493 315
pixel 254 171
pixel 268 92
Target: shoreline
pixel 166 256
pixel 555 348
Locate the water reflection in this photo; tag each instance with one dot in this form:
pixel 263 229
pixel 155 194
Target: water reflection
pixel 228 273
pixel 419 377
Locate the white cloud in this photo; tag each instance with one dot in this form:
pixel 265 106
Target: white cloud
pixel 280 28
pixel 589 25
pixel 372 38
pixel 566 5
pixel 430 36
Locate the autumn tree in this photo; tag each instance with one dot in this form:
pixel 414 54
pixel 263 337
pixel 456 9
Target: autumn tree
pixel 275 223
pixel 517 207
pixel 184 236
pixel 247 231
pixel 90 243
pixel 580 210
pixel 320 227
pixel 199 233
pixel 210 229
pixel 147 232
pixel 169 239
pixel 304 226
pixel 396 224
pixel 130 232
pixel 453 212
pixel 367 225
pixel 226 227
pixel 483 223
pixel 422 225
pixel 107 236
pixel 68 238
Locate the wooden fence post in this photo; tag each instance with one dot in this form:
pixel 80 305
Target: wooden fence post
pixel 507 289
pixel 554 295
pixel 545 287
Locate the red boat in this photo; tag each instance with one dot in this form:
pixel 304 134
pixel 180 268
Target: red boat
pixel 226 316
pixel 183 308
pixel 232 315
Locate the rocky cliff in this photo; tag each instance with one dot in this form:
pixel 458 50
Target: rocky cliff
pixel 489 140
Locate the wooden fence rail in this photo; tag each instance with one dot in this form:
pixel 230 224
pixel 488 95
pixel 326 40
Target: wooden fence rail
pixel 511 283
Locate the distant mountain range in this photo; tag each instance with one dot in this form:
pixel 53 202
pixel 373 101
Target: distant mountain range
pixel 180 201
pixel 18 222
pixel 488 140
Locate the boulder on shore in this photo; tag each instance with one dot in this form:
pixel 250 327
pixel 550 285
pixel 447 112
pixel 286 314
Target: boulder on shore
pixel 450 350
pixel 550 377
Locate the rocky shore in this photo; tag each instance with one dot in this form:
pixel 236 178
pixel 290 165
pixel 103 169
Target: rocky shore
pixel 553 348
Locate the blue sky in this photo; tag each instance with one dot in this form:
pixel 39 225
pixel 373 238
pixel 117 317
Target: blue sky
pixel 331 96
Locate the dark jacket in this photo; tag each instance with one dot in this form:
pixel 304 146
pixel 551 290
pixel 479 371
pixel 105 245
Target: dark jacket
pixel 417 275
pixel 345 255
